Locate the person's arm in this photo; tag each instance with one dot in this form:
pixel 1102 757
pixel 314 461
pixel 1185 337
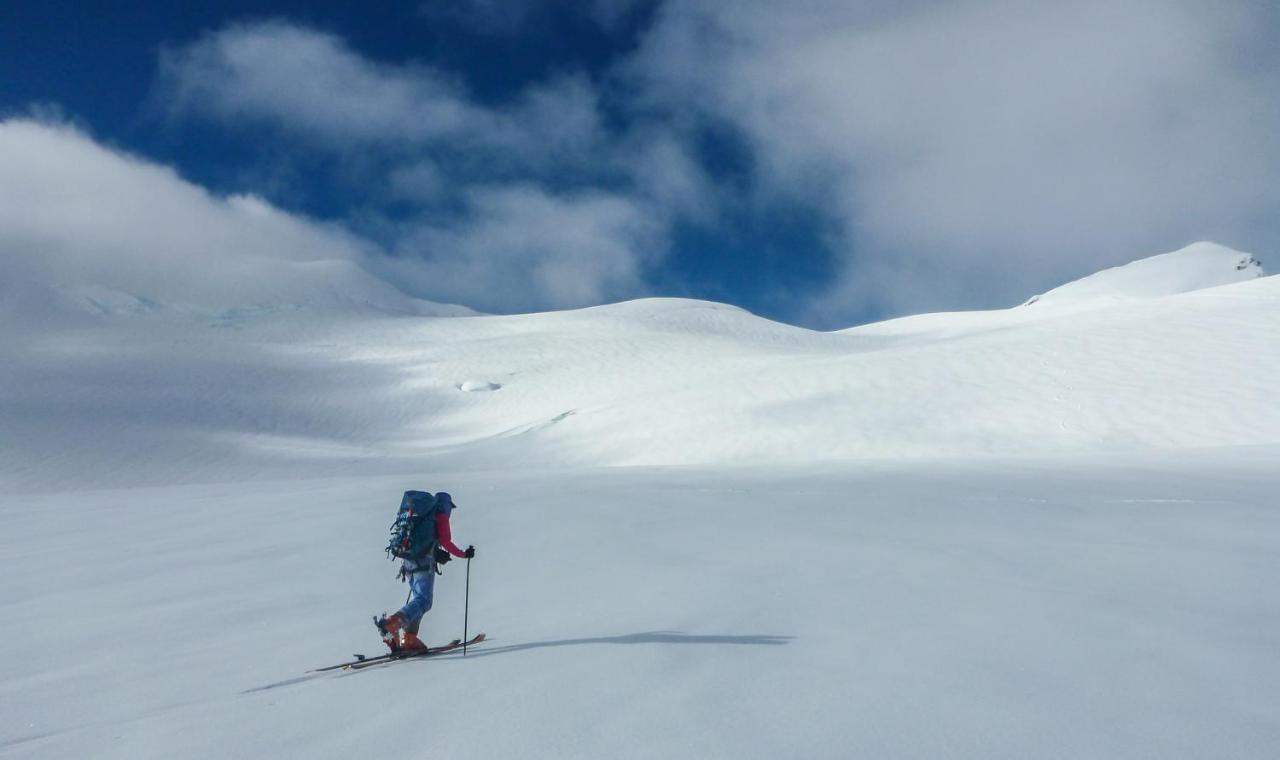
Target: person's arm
pixel 445 536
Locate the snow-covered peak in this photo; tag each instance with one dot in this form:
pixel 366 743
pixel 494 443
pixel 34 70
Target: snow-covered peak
pixel 1195 267
pixel 687 316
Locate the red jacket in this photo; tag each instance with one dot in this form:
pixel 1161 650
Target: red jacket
pixel 445 536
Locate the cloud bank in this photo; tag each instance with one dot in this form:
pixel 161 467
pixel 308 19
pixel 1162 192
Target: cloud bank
pixel 311 84
pixel 976 151
pixel 961 154
pixel 529 204
pixel 78 219
pixel 966 154
pixel 521 248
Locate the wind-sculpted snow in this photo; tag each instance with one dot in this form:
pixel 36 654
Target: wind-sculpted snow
pixel 138 393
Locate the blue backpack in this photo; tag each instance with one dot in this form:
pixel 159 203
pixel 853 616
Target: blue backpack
pixel 413 534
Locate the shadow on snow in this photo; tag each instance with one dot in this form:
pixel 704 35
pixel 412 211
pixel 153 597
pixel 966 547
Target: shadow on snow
pixel 648 637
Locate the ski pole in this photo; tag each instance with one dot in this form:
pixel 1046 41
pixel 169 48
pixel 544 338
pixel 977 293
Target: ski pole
pixel 466 608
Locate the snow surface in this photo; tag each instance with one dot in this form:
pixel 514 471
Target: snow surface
pixel 1048 531
pixel 157 395
pixel 1196 267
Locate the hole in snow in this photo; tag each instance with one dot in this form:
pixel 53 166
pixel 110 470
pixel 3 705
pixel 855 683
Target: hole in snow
pixel 474 386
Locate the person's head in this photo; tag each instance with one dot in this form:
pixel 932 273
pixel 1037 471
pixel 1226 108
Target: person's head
pixel 445 500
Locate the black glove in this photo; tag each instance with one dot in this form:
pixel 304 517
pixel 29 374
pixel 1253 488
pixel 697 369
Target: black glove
pixel 470 552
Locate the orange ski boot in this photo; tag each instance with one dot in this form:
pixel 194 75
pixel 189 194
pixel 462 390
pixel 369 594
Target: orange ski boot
pixel 409 642
pixel 390 628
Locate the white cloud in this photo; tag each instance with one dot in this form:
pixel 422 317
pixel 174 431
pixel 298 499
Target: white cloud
pixel 531 203
pixel 520 248
pixel 312 84
pixel 664 171
pixel 420 180
pixel 965 153
pixel 77 215
pixel 980 150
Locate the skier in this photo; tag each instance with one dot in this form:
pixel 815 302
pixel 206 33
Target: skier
pixel 400 630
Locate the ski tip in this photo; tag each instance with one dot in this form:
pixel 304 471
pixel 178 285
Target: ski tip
pixel 479 637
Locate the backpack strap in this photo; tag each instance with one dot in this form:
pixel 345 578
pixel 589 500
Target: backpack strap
pixel 426 564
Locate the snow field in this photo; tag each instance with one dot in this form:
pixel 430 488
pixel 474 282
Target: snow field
pixel 1046 532
pixel 1066 608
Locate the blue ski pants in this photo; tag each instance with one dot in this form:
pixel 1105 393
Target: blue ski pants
pixel 422 584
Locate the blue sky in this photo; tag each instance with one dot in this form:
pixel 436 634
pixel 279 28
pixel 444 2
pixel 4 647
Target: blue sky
pixel 822 163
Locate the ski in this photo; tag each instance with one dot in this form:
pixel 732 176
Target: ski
pixel 363 662
pixel 431 652
pixel 359 658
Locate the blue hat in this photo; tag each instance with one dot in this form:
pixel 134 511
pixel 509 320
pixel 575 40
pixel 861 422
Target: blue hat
pixel 444 499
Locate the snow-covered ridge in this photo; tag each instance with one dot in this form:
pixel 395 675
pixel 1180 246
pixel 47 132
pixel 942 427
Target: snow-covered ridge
pixel 1196 267
pixel 136 394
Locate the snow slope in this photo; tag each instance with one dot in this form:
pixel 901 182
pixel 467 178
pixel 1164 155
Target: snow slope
pixel 150 396
pixel 1196 267
pixel 1041 532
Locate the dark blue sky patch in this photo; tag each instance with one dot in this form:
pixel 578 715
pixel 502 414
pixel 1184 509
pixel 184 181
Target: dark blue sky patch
pixel 549 37
pixel 765 260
